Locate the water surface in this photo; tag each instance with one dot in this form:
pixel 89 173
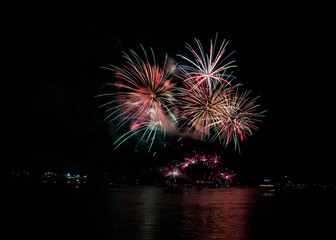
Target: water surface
pixel 146 212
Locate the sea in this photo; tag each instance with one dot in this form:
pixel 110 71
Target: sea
pixel 147 212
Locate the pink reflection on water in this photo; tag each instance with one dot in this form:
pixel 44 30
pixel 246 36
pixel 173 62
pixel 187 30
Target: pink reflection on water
pixel 149 213
pixel 223 213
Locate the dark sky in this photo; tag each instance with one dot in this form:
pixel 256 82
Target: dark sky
pixel 50 118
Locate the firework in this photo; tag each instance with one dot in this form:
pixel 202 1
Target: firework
pixel 202 159
pixel 226 176
pixel 203 162
pixel 237 117
pixel 188 161
pixel 143 100
pixel 205 83
pixel 219 113
pixel 214 160
pixel 200 106
pixel 209 103
pixel 171 172
pixel 146 102
pixel 210 68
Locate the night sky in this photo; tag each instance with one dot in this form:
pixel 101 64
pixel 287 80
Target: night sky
pixel 50 118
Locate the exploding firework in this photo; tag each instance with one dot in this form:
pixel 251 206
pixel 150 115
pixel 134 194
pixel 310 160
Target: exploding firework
pixel 214 160
pixel 209 103
pixel 191 160
pixel 237 117
pixel 143 100
pixel 188 161
pixel 171 172
pixel 202 159
pixel 204 165
pixel 200 107
pixel 225 176
pixel 210 68
pixel 146 102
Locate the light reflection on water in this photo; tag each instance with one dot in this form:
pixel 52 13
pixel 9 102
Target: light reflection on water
pixel 145 212
pixel 148 213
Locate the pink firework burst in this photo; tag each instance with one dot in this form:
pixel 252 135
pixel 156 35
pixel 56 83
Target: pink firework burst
pixel 226 176
pixel 188 161
pixel 209 68
pixel 202 159
pixel 238 116
pixel 144 98
pixel 209 104
pixel 200 106
pixel 171 172
pixel 214 160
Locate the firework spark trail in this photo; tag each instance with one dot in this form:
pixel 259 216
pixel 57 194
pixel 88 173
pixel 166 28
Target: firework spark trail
pixel 201 106
pixel 226 176
pixel 207 68
pixel 202 159
pixel 214 160
pixel 149 127
pixel 205 83
pixel 207 163
pixel 171 172
pixel 188 161
pixel 238 116
pixel 144 98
